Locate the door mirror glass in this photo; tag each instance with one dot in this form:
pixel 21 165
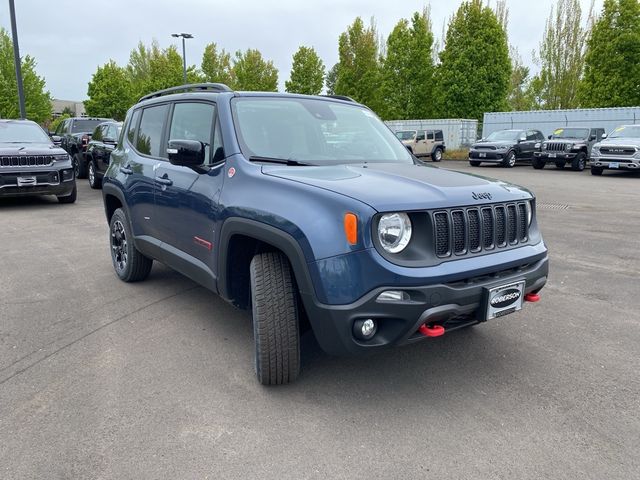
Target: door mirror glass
pixel 604 135
pixel 186 153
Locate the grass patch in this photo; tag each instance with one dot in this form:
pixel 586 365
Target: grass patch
pixel 461 154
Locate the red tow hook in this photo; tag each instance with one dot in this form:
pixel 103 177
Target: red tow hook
pixel 432 331
pixel 532 297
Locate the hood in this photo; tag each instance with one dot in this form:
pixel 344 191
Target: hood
pixel 500 143
pixel 620 141
pixel 401 187
pixel 30 149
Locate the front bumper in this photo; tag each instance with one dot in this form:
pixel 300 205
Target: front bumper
pixel 554 156
pixel 28 182
pixel 619 163
pixel 451 305
pixel 487 155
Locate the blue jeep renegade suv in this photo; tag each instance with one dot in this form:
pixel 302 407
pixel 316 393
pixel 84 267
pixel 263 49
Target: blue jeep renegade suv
pixel 310 212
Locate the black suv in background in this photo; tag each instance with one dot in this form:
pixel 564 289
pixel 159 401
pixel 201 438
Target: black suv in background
pixel 74 134
pixel 568 145
pixel 505 147
pixel 30 164
pixel 103 141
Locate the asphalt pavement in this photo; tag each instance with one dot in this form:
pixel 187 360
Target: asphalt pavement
pixel 105 380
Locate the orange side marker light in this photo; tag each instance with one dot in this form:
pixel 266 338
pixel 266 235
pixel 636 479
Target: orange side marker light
pixel 351 228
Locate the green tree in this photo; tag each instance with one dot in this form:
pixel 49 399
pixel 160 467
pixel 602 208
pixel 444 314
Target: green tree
pixel 58 120
pixel 330 80
pixel 407 70
pixel 253 73
pixel 109 92
pixel 37 98
pixel 358 72
pixel 612 63
pixel 519 97
pixel 307 73
pixel 561 56
pixel 216 66
pixel 475 70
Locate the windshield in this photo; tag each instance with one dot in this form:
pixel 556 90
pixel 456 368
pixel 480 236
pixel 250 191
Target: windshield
pixel 631 131
pixel 314 131
pixel 502 135
pixel 406 135
pixel 85 126
pixel 571 133
pixel 18 132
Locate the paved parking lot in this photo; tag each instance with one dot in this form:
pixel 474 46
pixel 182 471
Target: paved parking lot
pixel 100 379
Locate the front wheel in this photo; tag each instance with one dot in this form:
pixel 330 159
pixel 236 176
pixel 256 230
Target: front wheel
pixel 510 160
pixel 275 319
pixel 130 265
pixel 474 163
pixel 597 171
pixel 577 165
pixel 436 156
pixel 538 164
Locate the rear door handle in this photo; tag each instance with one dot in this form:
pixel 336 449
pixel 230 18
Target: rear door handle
pixel 164 181
pixel 126 170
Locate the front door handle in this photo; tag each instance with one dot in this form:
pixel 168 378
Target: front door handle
pixel 126 170
pixel 164 181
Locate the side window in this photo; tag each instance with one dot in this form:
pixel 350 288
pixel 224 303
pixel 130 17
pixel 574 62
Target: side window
pixel 430 135
pixel 61 128
pixel 532 135
pixel 193 121
pixel 540 137
pixel 97 133
pixel 420 136
pixel 111 133
pixel 148 141
pixel 133 124
pixel 439 136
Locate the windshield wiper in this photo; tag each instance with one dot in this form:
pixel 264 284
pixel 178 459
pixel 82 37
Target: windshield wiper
pixel 281 161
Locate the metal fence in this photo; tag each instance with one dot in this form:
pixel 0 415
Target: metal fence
pixel 457 133
pixel 548 120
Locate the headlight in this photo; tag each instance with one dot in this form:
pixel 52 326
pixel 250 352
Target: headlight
pixel 595 152
pixel 61 158
pixel 502 147
pixel 569 147
pixel 394 231
pixel 544 146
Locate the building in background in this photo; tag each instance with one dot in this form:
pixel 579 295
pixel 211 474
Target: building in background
pixel 458 133
pixel 548 120
pixel 75 109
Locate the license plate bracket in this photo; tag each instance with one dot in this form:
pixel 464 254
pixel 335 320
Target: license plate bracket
pixel 26 181
pixel 553 155
pixel 482 155
pixel 614 165
pixel 504 299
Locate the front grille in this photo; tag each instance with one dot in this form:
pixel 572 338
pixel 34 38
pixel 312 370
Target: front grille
pixel 471 230
pixel 618 150
pixel 484 147
pixel 556 147
pixel 26 161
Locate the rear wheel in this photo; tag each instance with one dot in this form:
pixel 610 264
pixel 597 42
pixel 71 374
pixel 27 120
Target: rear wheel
pixel 509 160
pixel 577 165
pixel 275 319
pixel 436 156
pixel 94 181
pixel 596 171
pixel 560 165
pixel 538 164
pixel 474 163
pixel 130 265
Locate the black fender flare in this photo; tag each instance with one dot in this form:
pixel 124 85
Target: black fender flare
pixel 267 234
pixel 110 189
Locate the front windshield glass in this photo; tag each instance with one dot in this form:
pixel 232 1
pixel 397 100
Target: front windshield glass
pixel 85 126
pixel 504 135
pixel 406 135
pixel 14 132
pixel 571 133
pixel 631 131
pixel 314 131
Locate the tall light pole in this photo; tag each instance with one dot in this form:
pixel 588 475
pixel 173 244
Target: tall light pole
pixel 184 52
pixel 16 59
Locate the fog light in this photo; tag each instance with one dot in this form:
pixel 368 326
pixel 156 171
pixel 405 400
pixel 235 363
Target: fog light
pixel 67 175
pixel 365 329
pixel 393 296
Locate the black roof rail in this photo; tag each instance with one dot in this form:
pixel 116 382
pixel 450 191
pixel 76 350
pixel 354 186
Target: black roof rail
pixel 216 87
pixel 342 97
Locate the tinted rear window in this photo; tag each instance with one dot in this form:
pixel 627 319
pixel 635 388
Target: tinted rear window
pixel 84 126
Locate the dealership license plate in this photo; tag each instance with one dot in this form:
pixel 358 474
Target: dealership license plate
pixel 504 299
pixel 614 165
pixel 482 155
pixel 26 181
pixel 553 155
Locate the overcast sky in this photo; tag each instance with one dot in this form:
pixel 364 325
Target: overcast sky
pixel 71 38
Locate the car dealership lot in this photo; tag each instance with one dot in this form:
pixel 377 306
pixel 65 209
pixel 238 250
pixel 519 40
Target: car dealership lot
pixel 101 379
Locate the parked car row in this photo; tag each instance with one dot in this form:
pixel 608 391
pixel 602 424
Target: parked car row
pixel 577 147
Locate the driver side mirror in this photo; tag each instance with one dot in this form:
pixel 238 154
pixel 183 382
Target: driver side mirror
pixel 186 153
pixel 549 137
pixel 55 139
pixel 604 135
